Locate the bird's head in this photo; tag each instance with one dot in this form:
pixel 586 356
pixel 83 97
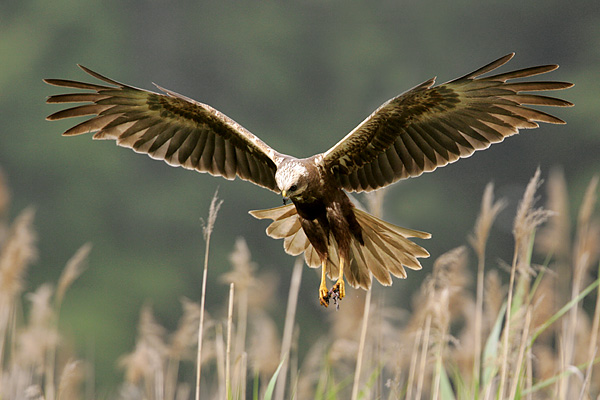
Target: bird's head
pixel 292 179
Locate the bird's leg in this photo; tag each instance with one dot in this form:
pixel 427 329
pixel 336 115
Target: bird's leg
pixel 340 286
pixel 323 291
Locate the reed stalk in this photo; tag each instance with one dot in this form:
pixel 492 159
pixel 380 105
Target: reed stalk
pixel 288 329
pixel 228 387
pixel 215 205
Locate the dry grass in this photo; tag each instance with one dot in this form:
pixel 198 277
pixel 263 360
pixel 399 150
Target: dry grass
pixel 530 339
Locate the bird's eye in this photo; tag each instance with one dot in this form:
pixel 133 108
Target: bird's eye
pixel 293 188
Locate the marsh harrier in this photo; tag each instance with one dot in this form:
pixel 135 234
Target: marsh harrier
pixel 418 131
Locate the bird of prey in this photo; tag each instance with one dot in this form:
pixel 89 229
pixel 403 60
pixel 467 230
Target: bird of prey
pixel 422 129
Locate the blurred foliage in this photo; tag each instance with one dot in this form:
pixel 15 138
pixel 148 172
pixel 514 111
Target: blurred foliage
pixel 298 74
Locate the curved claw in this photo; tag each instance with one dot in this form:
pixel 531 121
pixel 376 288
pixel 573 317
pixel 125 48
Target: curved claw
pixel 340 288
pixel 336 293
pixel 324 296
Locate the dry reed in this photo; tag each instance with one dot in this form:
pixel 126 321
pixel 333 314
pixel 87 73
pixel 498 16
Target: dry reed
pixel 526 341
pixel 288 328
pixel 215 205
pixel 375 205
pixel 526 221
pixel 228 345
pixel 483 224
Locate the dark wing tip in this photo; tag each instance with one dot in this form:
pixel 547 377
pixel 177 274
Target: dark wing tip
pixel 488 67
pixel 503 60
pixel 89 71
pixel 101 77
pixel 53 82
pixel 548 67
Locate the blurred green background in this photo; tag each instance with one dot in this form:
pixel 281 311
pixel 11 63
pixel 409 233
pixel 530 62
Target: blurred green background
pixel 298 74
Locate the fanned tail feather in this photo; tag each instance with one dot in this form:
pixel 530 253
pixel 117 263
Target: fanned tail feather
pixel 386 250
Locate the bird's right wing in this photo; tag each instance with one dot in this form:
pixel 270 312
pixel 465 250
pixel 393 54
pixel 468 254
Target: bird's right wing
pixel 168 127
pixel 431 126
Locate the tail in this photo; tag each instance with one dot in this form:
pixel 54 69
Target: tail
pixel 386 248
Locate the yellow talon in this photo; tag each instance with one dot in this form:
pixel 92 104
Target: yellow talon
pixel 337 292
pixel 323 292
pixel 340 287
pixel 324 295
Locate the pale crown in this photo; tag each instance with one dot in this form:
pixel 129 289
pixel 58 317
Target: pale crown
pixel 291 177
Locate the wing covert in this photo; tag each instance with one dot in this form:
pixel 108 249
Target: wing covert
pixel 170 127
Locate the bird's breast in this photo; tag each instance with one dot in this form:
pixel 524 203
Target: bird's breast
pixel 310 208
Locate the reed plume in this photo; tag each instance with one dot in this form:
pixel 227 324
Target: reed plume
pixel 535 336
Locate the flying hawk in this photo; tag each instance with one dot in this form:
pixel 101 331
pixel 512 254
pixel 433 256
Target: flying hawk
pixel 422 129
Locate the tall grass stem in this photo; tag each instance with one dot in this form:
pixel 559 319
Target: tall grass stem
pixel 361 344
pixel 228 387
pixel 288 329
pixel 215 205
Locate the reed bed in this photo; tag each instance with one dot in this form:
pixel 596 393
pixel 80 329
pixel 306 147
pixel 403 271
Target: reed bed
pixel 515 330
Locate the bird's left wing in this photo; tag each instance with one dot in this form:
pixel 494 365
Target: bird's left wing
pixel 168 127
pixel 428 127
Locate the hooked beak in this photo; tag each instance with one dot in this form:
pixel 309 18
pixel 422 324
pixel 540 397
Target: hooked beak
pixel 285 198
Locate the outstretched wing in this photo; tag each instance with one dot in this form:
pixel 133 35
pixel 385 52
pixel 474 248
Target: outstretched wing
pixel 168 127
pixel 429 127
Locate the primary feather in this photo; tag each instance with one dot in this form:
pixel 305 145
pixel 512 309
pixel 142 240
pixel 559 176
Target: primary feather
pixel 430 126
pixel 169 127
pixel 425 128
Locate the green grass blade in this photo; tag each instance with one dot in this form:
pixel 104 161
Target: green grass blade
pixel 446 392
pixel 370 383
pixel 334 390
pixel 563 310
pixel 547 382
pixel 255 388
pixel 271 386
pixel 490 352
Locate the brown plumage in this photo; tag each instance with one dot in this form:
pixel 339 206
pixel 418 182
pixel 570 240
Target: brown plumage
pixel 422 129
